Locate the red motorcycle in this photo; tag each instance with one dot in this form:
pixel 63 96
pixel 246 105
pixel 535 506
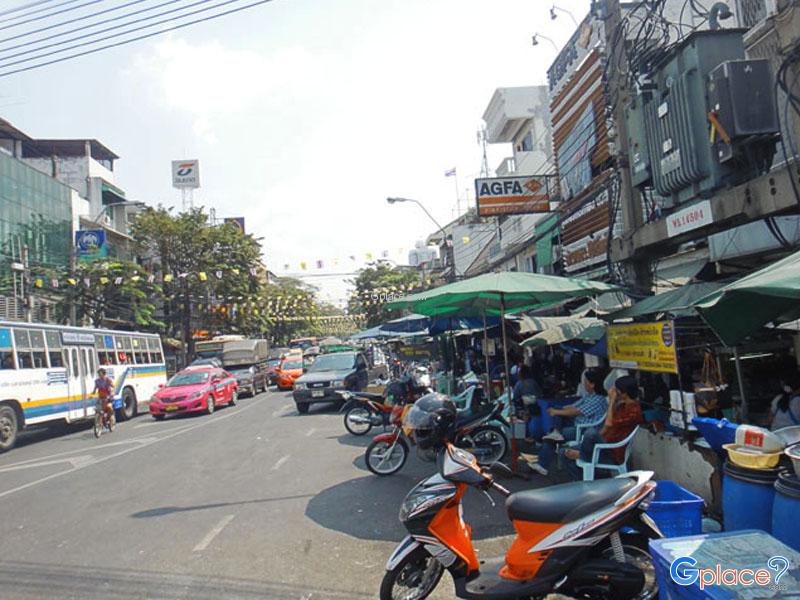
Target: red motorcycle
pixel 479 432
pixel 363 411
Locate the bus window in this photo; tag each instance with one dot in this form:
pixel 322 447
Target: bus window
pixel 23 343
pixel 6 354
pixel 75 368
pixel 37 349
pixel 140 350
pixel 54 348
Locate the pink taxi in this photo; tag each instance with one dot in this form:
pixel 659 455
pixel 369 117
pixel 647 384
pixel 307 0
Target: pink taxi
pixel 194 389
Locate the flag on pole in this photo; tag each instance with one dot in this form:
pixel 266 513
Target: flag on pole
pixel 450 173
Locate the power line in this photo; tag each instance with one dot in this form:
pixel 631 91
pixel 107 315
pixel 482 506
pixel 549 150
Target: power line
pixel 75 20
pixel 134 39
pixel 26 6
pixel 48 15
pixel 107 29
pixel 58 50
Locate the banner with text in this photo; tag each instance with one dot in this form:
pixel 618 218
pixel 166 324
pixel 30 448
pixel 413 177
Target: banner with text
pixel 643 346
pixel 499 196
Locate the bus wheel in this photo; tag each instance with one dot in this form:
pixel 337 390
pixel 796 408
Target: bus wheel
pixel 8 427
pixel 129 407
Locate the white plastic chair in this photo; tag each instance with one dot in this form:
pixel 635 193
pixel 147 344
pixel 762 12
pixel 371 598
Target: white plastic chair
pixel 590 467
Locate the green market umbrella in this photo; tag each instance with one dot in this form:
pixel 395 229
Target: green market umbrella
pixel 744 306
pixel 574 329
pixel 499 294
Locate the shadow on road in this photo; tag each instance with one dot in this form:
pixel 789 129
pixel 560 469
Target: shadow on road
pixel 367 507
pixel 54 431
pixel 359 441
pixel 168 510
pixel 36 580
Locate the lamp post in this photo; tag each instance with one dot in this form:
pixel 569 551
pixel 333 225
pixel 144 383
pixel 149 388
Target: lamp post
pixel 554 16
pixel 535 40
pixel 448 243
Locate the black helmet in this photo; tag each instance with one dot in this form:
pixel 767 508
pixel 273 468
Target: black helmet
pixel 432 420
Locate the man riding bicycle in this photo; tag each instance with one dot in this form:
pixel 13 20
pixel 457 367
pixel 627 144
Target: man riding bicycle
pixel 105 392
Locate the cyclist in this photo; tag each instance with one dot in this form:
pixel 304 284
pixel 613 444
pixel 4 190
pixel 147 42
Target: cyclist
pixel 105 390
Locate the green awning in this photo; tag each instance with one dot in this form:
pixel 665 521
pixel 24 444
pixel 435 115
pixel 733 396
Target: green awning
pixel 528 324
pixel 499 294
pixel 107 188
pixel 603 304
pixel 686 270
pixel 744 306
pixel 680 300
pixel 574 329
pixel 548 230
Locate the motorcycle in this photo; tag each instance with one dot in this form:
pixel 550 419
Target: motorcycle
pixel 363 410
pixel 475 432
pixel 568 538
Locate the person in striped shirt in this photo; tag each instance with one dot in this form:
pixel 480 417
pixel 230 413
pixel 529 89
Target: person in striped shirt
pixel 591 408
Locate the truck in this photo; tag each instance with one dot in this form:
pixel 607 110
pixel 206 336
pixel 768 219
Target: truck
pixel 245 359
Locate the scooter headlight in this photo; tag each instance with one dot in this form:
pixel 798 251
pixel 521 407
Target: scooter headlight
pixel 418 503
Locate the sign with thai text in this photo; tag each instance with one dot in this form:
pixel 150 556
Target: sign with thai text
pixel 643 346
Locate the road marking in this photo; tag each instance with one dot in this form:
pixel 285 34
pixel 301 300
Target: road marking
pixel 213 533
pixel 280 462
pixel 311 432
pixel 139 444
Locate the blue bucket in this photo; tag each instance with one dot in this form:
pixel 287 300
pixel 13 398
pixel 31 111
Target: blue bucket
pixel 716 431
pixel 747 497
pixel 785 508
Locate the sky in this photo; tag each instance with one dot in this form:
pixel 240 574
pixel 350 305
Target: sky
pixel 305 115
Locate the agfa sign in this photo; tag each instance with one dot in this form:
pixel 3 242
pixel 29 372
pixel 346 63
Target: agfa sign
pixel 513 195
pixel 186 173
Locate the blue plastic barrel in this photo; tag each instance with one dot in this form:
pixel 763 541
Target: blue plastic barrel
pixel 747 497
pixel 785 508
pixel 676 511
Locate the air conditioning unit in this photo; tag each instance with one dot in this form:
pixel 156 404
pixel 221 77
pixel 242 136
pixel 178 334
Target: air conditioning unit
pixel 706 119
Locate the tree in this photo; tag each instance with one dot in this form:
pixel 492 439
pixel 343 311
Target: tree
pixel 202 265
pixel 108 293
pixel 375 285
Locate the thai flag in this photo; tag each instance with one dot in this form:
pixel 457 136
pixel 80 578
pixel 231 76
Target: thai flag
pixel 450 173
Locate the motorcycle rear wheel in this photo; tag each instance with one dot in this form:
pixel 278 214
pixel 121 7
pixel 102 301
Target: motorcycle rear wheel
pixel 414 578
pixel 637 554
pixel 358 428
pixel 380 462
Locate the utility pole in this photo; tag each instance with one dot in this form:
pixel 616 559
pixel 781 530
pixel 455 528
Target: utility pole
pixel 630 200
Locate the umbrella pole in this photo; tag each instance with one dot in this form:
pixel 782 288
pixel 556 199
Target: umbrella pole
pixel 740 380
pixel 486 358
pixel 508 382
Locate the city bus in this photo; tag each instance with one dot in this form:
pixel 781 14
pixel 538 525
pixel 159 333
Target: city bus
pixel 47 373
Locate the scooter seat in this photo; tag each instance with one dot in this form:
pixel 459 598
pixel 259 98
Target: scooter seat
pixel 566 502
pixel 469 415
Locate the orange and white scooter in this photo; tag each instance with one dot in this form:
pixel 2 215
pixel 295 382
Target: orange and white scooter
pixel 567 541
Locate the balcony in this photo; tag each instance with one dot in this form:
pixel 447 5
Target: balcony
pixel 509 109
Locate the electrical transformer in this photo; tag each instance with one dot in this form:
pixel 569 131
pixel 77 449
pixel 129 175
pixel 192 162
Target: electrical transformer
pixel 704 119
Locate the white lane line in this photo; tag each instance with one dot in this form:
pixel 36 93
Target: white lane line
pixel 311 432
pixel 280 462
pixel 215 531
pixel 141 443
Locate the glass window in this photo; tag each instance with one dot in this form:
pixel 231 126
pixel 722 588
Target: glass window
pixel 39 358
pixel 21 339
pixel 56 360
pixel 24 359
pixel 6 359
pixel 75 369
pixel 37 339
pixel 141 357
pixel 53 339
pixel 98 341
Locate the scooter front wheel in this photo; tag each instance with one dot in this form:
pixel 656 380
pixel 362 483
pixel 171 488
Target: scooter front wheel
pixel 386 458
pixel 414 577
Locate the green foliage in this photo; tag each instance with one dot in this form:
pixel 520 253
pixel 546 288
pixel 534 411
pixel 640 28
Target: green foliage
pixel 375 277
pixel 110 292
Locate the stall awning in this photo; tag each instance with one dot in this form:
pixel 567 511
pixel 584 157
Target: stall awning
pixel 681 272
pixel 529 325
pixel 573 329
pixel 677 302
pixel 741 308
pixel 603 304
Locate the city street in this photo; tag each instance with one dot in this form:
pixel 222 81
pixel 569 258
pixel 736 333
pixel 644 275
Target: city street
pixel 254 501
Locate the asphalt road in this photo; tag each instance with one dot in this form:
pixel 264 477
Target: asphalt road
pixel 254 501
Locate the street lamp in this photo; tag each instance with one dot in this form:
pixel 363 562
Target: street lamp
pixel 535 40
pixel 448 243
pixel 553 14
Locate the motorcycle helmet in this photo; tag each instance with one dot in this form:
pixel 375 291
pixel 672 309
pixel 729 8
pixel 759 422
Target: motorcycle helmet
pixel 431 420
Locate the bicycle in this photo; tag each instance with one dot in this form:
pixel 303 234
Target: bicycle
pixel 102 419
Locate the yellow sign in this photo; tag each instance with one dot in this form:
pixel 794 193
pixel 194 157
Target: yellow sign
pixel 643 346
